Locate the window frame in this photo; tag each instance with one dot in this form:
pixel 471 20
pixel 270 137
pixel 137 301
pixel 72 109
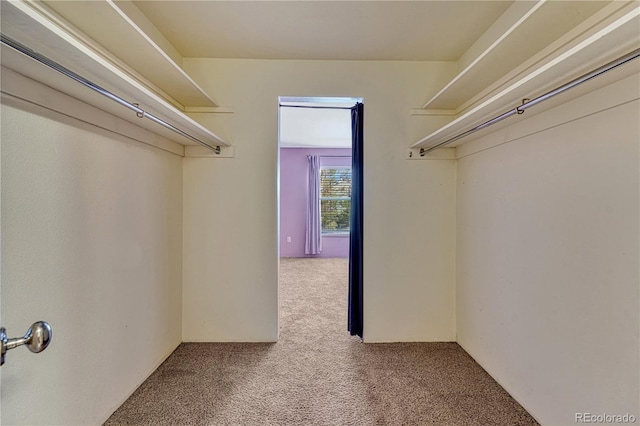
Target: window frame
pixel 336 233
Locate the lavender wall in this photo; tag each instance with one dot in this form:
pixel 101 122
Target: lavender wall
pixel 293 199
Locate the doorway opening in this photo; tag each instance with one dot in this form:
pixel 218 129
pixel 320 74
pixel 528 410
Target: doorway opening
pixel 314 212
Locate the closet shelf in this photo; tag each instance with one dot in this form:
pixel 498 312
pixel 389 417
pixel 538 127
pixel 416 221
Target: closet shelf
pixel 604 35
pixel 121 29
pixel 33 27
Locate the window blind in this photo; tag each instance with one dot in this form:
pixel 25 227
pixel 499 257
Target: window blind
pixel 335 199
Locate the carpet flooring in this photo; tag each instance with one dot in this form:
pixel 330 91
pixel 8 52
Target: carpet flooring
pixel 317 374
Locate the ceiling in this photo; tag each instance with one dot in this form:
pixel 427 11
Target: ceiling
pixel 303 126
pixel 323 30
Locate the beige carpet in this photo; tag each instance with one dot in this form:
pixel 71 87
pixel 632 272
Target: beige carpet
pixel 317 374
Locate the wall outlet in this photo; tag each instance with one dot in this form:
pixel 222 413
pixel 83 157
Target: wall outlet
pixel 288 239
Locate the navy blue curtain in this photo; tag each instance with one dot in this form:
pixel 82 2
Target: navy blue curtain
pixel 355 239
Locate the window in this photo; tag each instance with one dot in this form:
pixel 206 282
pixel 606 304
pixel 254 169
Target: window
pixel 335 199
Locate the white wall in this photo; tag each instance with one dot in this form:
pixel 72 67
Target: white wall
pixel 547 256
pixel 91 243
pixel 230 205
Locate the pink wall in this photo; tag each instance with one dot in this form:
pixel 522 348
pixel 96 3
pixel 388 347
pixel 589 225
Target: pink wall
pixel 293 199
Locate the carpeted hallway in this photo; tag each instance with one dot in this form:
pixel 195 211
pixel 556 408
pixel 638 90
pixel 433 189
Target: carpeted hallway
pixel 317 374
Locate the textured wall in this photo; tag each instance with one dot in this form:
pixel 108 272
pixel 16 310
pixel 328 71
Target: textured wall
pixel 230 214
pixel 91 243
pixel 547 265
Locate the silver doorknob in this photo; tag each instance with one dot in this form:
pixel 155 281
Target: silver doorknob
pixel 37 338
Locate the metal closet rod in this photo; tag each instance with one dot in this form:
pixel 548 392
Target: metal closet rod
pixel 133 107
pixel 528 103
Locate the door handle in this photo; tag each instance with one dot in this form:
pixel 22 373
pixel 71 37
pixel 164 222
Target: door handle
pixel 37 338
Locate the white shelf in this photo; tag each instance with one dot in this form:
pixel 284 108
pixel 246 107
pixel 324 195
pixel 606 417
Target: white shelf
pixel 29 26
pixel 479 93
pixel 120 29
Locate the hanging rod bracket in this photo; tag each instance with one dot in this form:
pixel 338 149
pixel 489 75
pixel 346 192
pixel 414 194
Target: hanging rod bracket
pixel 521 111
pixel 193 151
pixel 421 154
pixel 139 114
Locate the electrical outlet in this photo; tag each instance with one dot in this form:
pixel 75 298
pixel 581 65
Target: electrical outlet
pixel 288 239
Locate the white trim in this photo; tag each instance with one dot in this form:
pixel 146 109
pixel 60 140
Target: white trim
pixel 438 154
pixel 335 234
pixel 196 151
pixel 310 100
